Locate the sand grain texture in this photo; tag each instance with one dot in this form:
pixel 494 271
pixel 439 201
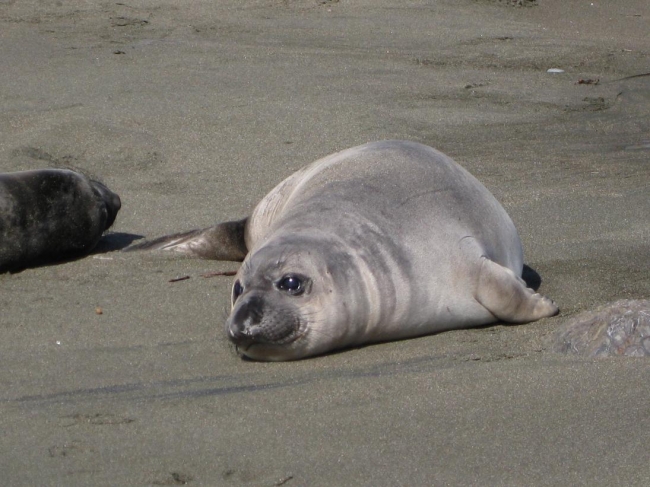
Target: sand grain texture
pixel 192 113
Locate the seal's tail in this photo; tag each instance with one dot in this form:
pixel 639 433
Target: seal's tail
pixel 224 241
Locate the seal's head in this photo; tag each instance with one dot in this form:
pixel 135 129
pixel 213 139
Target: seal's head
pixel 111 201
pixel 286 299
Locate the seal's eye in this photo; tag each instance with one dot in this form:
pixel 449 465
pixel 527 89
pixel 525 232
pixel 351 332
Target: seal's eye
pixel 292 284
pixel 237 289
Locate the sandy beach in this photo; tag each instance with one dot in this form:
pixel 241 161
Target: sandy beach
pixel 111 375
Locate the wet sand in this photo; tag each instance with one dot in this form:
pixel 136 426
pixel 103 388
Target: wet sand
pixel 193 113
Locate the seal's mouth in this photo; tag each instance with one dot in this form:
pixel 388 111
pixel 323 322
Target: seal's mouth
pixel 254 343
pixel 254 321
pixel 256 335
pixel 268 352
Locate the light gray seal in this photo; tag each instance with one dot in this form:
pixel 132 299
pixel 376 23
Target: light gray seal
pixel 379 242
pixel 51 214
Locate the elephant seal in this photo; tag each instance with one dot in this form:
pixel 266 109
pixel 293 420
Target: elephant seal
pixel 51 214
pixel 379 242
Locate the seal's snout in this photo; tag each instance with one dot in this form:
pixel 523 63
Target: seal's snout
pixel 244 325
pixel 111 201
pixel 113 207
pixel 256 321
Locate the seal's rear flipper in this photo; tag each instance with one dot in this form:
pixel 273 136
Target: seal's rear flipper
pixel 224 241
pixel 506 296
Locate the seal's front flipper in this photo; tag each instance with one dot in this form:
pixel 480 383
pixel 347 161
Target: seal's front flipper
pixel 224 241
pixel 506 296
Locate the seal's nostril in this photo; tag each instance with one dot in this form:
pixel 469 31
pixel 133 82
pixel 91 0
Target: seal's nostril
pixel 248 312
pixel 238 331
pixel 245 331
pixel 245 323
pixel 232 332
pixel 252 331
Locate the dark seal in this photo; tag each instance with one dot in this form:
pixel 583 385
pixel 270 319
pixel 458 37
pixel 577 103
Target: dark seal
pixel 51 214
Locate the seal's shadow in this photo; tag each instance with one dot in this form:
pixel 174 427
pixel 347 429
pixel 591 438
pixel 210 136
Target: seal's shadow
pixel 114 241
pixel 108 243
pixel 531 277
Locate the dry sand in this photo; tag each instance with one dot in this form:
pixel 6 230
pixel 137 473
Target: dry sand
pixel 193 112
